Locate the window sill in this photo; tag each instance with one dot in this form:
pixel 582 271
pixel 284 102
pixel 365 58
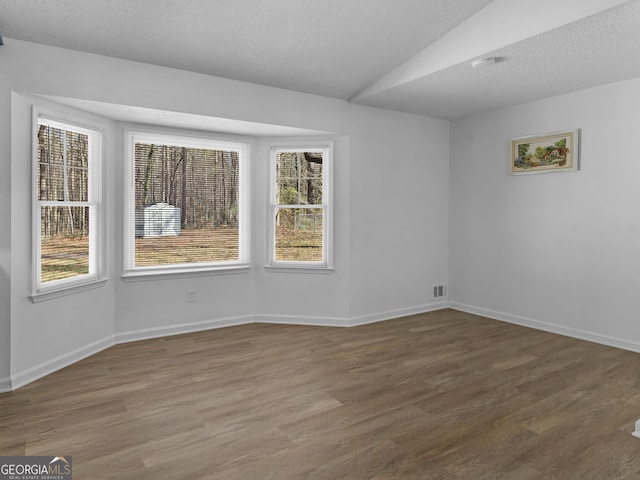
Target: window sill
pixel 301 269
pixel 166 274
pixel 68 290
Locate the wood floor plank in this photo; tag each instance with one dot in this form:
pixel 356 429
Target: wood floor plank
pixel 443 395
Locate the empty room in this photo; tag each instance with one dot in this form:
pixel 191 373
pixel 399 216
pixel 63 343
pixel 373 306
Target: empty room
pixel 289 239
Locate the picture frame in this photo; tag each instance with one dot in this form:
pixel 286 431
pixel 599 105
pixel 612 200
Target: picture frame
pixel 545 153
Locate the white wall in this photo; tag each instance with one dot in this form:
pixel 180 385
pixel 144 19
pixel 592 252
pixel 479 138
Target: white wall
pixel 399 187
pixel 48 334
pixel 5 232
pixel 159 306
pixel 57 331
pixel 556 251
pixel 38 338
pixel 310 298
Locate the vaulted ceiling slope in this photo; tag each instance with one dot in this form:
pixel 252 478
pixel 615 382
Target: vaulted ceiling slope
pixel 406 55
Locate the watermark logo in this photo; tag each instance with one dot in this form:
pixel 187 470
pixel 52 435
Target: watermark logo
pixel 35 468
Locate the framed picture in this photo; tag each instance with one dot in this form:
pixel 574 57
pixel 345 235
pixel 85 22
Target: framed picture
pixel 550 152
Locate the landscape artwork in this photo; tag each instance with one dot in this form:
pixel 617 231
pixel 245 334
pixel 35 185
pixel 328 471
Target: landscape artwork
pixel 551 152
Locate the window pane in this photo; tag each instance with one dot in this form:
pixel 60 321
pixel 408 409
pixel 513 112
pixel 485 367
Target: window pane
pixel 50 145
pixel 50 182
pixel 288 192
pixel 77 166
pixel 299 178
pixel 64 251
pixel 299 234
pixel 186 205
pixel 77 184
pixel 77 149
pixel 206 245
pixel 59 150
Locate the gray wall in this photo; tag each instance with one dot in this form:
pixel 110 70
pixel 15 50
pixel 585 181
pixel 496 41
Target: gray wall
pixel 557 251
pixel 399 211
pixel 367 284
pixel 554 251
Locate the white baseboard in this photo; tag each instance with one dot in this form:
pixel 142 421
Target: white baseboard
pixel 5 384
pixel 398 313
pixel 46 368
pixel 351 321
pixel 549 327
pixel 58 363
pixel 302 320
pixel 8 384
pixel 169 330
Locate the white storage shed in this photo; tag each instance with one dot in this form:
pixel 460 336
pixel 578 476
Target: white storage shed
pixel 157 220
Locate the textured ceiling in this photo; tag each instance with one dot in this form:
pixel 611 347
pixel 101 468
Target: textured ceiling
pixel 595 50
pixel 328 47
pixel 407 55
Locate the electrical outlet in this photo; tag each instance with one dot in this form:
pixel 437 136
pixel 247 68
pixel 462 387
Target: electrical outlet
pixel 192 296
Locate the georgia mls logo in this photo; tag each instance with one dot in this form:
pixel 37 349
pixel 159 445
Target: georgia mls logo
pixel 60 466
pixel 35 468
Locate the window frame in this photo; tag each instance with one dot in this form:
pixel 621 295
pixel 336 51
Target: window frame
pixel 131 272
pixel 96 276
pixel 299 266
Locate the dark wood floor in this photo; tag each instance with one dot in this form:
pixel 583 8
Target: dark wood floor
pixel 443 395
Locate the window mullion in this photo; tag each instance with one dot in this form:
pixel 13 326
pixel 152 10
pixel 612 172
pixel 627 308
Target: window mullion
pixel 65 193
pixel 60 203
pixel 49 160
